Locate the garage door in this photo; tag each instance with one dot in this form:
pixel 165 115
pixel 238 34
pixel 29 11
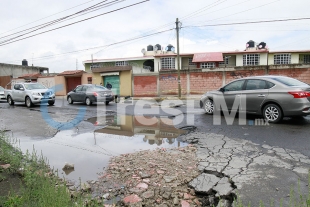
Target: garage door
pixel 72 82
pixel 114 81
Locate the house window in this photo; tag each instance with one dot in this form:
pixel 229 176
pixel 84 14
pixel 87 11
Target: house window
pixel 251 59
pixel 207 65
pixel 89 80
pixel 282 59
pixel 225 62
pixel 190 62
pixel 168 63
pixel 306 58
pixel 121 63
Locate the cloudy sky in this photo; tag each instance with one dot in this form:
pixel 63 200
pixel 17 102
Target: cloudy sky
pixel 66 48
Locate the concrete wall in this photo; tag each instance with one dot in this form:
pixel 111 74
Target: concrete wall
pixel 125 83
pixel 18 70
pixel 61 80
pixel 239 60
pixel 85 76
pixel 48 81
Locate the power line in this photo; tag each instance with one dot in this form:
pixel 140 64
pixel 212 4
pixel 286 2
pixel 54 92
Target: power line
pixel 97 47
pixel 46 17
pixel 253 22
pixel 57 21
pixel 77 22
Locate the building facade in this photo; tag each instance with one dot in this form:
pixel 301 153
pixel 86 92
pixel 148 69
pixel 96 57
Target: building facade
pixel 156 72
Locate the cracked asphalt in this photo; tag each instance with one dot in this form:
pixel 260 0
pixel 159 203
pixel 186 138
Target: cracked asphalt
pixel 263 162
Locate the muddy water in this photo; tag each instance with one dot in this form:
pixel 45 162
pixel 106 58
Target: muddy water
pixel 115 135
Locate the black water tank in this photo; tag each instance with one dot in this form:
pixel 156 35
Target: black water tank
pixel 250 43
pixel 261 45
pixel 158 46
pixel 150 48
pixel 25 62
pixel 170 48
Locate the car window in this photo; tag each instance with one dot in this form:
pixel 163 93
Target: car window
pixel 79 88
pixel 84 88
pixel 100 87
pixel 255 84
pixel 1 88
pixel 289 81
pixel 16 86
pixel 234 86
pixel 269 84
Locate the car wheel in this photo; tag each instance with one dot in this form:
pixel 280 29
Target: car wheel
pixel 10 101
pixel 107 102
pixel 51 103
pixel 69 99
pixel 272 113
pixel 88 101
pixel 208 106
pixel 28 102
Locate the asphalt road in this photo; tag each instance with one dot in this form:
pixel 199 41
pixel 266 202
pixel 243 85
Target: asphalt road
pixel 277 142
pixel 291 133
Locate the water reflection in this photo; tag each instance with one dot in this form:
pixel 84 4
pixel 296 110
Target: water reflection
pixel 90 152
pixel 155 130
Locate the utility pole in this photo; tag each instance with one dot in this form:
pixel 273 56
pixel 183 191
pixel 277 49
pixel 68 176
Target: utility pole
pixel 178 57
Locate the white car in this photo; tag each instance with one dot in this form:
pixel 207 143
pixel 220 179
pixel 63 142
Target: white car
pixel 2 96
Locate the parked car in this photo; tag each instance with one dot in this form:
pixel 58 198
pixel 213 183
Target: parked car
pixel 2 96
pixel 90 93
pixel 274 97
pixel 30 93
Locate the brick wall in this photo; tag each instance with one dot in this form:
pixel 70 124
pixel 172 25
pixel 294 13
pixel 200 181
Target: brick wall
pixel 168 84
pixel 145 86
pixel 232 75
pixel 302 74
pixel 202 82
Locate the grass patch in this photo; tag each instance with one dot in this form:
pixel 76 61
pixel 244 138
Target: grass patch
pixel 39 185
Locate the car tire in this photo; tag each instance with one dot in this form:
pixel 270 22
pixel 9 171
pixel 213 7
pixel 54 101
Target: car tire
pixel 272 113
pixel 69 99
pixel 208 106
pixel 107 102
pixel 88 101
pixel 10 101
pixel 28 102
pixel 51 103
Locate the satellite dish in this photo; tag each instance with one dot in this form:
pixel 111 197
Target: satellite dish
pixel 143 51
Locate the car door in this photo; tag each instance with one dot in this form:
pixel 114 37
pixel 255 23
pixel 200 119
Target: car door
pixel 17 93
pixel 232 93
pixel 83 93
pixel 76 95
pixel 254 94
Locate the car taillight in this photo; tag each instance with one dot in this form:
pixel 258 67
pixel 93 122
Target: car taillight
pixel 95 93
pixel 299 94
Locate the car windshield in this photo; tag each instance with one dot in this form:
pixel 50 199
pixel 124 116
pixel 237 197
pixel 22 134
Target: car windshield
pixel 289 81
pixel 1 88
pixel 34 86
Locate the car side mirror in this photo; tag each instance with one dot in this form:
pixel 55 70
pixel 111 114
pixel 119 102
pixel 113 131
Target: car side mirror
pixel 222 90
pixel 21 88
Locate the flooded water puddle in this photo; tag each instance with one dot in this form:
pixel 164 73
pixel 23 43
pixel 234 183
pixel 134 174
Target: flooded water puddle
pixel 115 135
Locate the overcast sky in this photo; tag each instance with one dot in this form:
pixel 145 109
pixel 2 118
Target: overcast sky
pixel 142 19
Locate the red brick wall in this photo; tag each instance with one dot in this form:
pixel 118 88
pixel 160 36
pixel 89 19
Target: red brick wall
pixel 168 84
pixel 203 82
pixel 145 86
pixel 302 74
pixel 232 75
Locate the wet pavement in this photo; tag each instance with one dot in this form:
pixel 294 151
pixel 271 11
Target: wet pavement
pixel 114 135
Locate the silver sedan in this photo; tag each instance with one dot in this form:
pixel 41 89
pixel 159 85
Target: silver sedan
pixel 274 97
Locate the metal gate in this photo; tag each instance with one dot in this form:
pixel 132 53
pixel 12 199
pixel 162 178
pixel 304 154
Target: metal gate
pixel 72 82
pixel 114 81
